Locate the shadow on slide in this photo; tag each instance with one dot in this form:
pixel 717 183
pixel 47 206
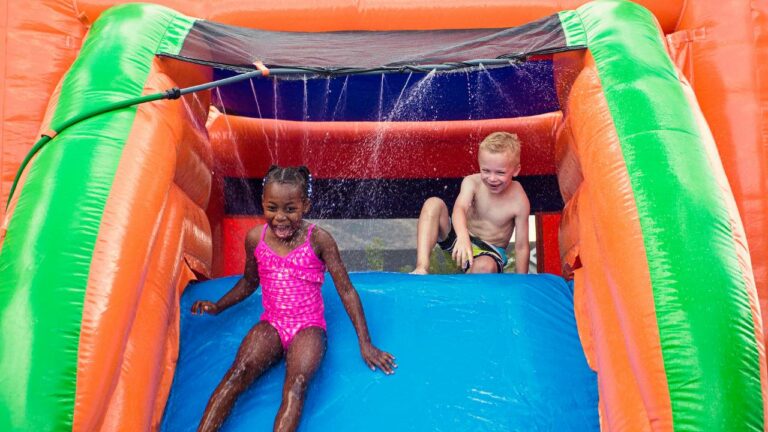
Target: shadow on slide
pixel 475 352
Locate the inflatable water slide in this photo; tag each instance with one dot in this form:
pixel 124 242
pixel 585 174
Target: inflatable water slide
pixel 644 136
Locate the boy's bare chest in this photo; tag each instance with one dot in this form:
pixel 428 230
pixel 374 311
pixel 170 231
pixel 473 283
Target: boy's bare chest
pixel 496 210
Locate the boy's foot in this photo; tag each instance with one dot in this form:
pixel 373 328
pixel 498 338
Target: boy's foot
pixel 419 271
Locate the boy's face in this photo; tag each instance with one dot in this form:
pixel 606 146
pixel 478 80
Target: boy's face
pixel 497 170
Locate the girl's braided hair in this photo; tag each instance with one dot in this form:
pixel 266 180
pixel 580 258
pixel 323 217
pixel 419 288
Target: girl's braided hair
pixel 299 176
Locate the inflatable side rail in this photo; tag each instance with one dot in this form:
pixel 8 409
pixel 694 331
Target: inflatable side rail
pixel 115 229
pixel 665 298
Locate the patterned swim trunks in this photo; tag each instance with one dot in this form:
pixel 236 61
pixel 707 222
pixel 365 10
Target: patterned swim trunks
pixel 479 248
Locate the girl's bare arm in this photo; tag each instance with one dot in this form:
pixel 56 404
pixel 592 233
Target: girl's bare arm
pixel 328 251
pixel 244 287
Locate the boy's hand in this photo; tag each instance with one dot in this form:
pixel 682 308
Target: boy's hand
pixel 375 357
pixel 203 306
pixel 462 253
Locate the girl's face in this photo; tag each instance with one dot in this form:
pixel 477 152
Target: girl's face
pixel 284 208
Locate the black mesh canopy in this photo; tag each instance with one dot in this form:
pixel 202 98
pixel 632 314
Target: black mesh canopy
pixel 238 48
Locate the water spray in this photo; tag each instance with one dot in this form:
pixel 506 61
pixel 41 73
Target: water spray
pixel 261 71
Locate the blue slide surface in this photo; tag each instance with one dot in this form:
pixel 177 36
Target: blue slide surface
pixel 475 353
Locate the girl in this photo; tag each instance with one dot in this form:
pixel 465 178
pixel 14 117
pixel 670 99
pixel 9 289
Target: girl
pixel 288 256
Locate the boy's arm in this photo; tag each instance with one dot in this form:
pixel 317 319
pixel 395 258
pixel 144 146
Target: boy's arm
pixel 462 251
pixel 522 248
pixel 244 287
pixel 329 253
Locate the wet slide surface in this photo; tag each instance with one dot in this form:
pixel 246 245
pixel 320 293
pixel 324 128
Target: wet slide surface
pixel 475 352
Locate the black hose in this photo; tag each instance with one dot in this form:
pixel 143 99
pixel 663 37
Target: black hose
pixel 173 93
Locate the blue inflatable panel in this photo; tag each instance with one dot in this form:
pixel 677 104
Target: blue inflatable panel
pixel 475 353
pixel 522 90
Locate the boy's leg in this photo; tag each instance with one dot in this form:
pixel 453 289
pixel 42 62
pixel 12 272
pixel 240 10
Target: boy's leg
pixel 483 264
pixel 488 258
pixel 302 360
pixel 260 349
pixel 433 226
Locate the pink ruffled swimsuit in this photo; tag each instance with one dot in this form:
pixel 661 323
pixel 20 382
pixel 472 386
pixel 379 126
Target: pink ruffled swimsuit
pixel 290 288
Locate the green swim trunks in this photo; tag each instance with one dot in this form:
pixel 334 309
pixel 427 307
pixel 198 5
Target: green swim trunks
pixel 479 248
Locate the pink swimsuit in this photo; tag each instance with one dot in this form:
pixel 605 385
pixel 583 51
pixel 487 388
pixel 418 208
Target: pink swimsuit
pixel 290 288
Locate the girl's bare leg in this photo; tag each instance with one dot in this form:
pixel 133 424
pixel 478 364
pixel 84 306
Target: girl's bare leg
pixel 302 361
pixel 261 348
pixel 433 225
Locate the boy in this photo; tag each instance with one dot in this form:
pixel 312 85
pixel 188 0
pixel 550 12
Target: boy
pixel 489 208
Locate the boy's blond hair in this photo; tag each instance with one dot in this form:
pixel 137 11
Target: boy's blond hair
pixel 500 142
